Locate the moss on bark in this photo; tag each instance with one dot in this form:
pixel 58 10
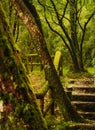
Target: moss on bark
pixel 15 84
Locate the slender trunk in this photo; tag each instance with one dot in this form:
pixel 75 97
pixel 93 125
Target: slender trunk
pixel 81 58
pixel 75 62
pixel 73 24
pixel 74 44
pixel 61 98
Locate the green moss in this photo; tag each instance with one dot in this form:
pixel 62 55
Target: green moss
pixel 42 92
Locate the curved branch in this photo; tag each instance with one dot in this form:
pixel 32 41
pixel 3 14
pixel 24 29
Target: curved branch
pixel 85 25
pixel 81 6
pixel 89 19
pixel 55 9
pixel 58 34
pixel 59 20
pixel 80 25
pixel 64 11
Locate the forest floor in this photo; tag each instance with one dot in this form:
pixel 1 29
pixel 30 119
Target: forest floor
pixel 38 81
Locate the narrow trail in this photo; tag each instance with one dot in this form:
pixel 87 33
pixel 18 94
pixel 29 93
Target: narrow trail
pixel 83 98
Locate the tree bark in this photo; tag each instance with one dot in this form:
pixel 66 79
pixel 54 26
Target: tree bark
pixel 32 9
pixel 15 87
pixel 61 98
pixel 74 42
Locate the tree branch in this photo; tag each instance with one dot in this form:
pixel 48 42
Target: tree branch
pixel 85 25
pixel 89 19
pixel 55 9
pixel 60 35
pixel 64 10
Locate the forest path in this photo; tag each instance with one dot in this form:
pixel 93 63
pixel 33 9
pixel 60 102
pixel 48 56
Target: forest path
pixel 83 97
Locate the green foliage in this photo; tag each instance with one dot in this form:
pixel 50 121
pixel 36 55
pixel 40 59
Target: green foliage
pixel 66 70
pixel 57 124
pixel 64 125
pixel 91 70
pixel 53 41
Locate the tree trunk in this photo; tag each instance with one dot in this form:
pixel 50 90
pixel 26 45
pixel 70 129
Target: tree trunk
pixel 61 98
pixel 32 9
pixel 74 44
pixel 20 106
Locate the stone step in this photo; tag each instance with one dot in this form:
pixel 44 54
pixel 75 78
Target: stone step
pixel 84 106
pixel 82 126
pixel 83 97
pixel 82 81
pixel 84 89
pixel 88 115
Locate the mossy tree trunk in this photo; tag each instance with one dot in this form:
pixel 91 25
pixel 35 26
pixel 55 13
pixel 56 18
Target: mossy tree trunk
pixel 61 98
pixel 74 41
pixel 20 106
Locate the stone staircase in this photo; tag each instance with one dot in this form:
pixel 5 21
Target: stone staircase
pixel 83 99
